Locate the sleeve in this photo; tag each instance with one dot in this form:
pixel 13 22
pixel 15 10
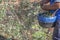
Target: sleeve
pixel 57 0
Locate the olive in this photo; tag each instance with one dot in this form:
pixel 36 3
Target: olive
pixel 46 14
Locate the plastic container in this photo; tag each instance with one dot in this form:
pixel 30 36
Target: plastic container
pixel 46 21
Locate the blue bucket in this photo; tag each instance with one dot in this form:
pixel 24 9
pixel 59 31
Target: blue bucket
pixel 46 20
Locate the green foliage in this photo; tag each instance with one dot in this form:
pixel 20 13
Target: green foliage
pixel 21 22
pixel 39 35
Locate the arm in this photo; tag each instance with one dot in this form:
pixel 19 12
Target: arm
pixel 51 7
pixel 55 6
pixel 44 2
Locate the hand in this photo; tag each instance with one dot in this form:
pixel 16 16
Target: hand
pixel 45 5
pixel 41 3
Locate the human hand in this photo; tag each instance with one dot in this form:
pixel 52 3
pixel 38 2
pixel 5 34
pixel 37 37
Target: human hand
pixel 41 2
pixel 45 5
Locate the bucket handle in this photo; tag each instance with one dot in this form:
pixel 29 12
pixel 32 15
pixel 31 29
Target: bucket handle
pixel 54 13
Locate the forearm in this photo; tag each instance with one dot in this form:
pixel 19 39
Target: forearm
pixel 44 2
pixel 51 7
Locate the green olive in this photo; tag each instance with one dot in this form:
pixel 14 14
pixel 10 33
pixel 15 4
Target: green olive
pixel 47 14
